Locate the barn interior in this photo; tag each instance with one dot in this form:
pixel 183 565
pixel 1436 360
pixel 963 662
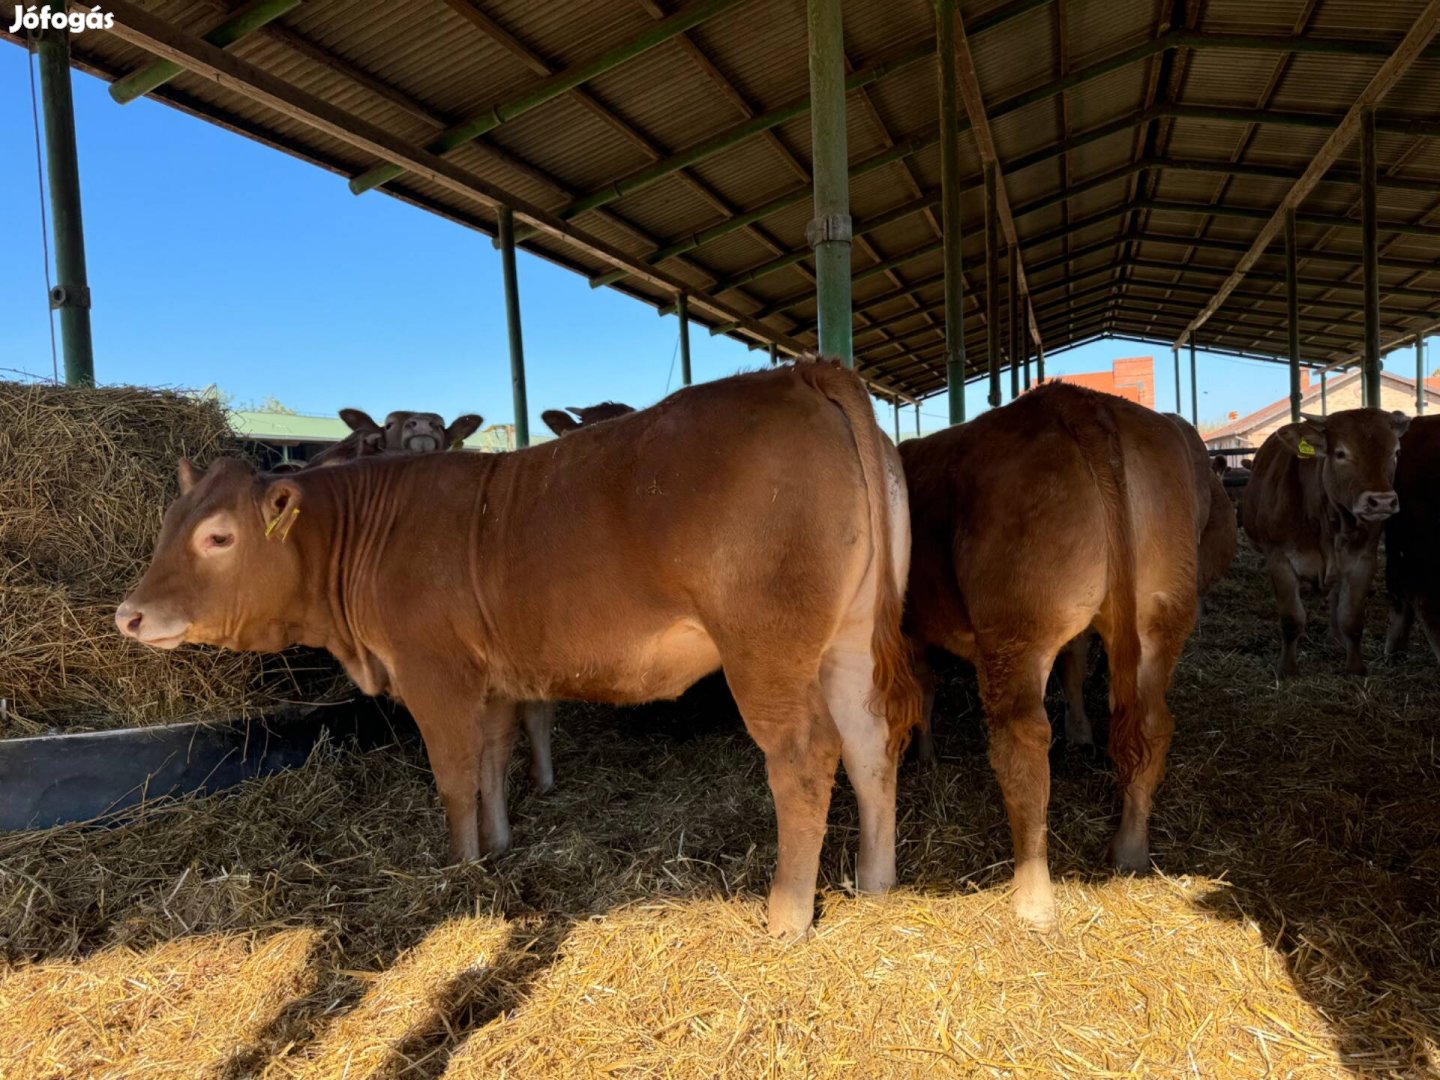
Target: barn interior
pixel 942 192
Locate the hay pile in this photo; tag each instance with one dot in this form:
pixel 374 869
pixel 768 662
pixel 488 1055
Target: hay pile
pixel 304 927
pixel 84 479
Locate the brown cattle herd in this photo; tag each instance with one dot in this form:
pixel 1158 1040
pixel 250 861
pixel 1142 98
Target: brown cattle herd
pixel 763 524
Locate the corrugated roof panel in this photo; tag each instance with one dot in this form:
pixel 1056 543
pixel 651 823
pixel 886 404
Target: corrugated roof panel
pixel 1278 17
pixel 1324 83
pixel 1233 77
pixel 1366 19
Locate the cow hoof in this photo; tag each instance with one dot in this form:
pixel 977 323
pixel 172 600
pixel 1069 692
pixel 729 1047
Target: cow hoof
pixel 1130 858
pixel 790 921
pixel 1036 913
pixel 542 785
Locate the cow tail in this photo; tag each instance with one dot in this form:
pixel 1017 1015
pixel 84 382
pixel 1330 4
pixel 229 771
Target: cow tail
pixel 897 694
pixel 1098 436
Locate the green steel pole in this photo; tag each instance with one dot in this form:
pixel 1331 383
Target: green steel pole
pixel 1013 322
pixel 1039 364
pixel 774 353
pixel 246 20
pixel 1420 374
pixel 1025 338
pixel 682 309
pixel 950 211
pixel 1292 308
pixel 512 324
pixel 1324 405
pixel 896 403
pixel 561 82
pixel 829 230
pixel 917 419
pixel 992 273
pixel 1194 387
pixel 71 292
pixel 1370 260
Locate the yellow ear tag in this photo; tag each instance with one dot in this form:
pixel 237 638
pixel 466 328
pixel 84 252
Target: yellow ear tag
pixel 1304 450
pixel 289 519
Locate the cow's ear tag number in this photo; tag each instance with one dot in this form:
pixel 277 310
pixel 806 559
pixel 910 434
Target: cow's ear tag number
pixel 289 522
pixel 1305 450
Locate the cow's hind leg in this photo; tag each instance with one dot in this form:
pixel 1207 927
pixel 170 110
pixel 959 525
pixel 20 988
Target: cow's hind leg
pixel 1070 666
pixel 1012 689
pixel 848 679
pixel 498 729
pixel 446 708
pixel 924 734
pixel 1292 611
pixel 538 718
pixel 1159 651
pixel 1397 634
pixel 787 716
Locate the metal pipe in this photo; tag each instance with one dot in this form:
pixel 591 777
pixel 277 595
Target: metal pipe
pixel 917 419
pixel 1039 364
pixel 1194 387
pixel 682 309
pixel 1292 313
pixel 774 353
pixel 547 89
pixel 246 20
pixel 1025 338
pixel 992 273
pixel 896 403
pixel 829 230
pixel 1370 260
pixel 1179 406
pixel 1013 322
pixel 950 212
pixel 1324 405
pixel 1420 374
pixel 512 325
pixel 71 291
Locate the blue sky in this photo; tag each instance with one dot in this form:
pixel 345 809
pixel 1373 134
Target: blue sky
pixel 213 259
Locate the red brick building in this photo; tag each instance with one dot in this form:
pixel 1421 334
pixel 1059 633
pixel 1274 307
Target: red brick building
pixel 1132 378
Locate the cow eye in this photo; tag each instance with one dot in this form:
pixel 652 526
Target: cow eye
pixel 219 540
pixel 1340 455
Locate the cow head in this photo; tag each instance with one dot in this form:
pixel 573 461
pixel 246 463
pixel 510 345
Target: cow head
pixel 561 424
pixel 225 570
pixel 1356 451
pixel 424 432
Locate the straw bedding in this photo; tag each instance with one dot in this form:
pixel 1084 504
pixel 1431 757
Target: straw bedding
pixel 84 479
pixel 303 926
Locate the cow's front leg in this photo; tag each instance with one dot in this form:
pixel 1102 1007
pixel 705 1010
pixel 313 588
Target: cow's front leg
pixel 1352 593
pixel 1292 611
pixel 498 728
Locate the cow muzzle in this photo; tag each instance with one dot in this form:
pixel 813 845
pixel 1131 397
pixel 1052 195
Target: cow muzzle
pixel 1376 505
pixel 422 444
pixel 148 628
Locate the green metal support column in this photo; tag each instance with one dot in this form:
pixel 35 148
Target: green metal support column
pixel 1039 364
pixel 71 292
pixel 512 324
pixel 1025 339
pixel 1179 405
pixel 992 273
pixel 774 353
pixel 950 212
pixel 917 419
pixel 1420 374
pixel 682 310
pixel 896 403
pixel 1292 309
pixel 1324 404
pixel 1013 323
pixel 245 21
pixel 829 231
pixel 1370 260
pixel 1194 387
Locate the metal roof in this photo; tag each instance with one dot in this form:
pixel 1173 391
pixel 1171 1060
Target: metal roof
pixel 1141 144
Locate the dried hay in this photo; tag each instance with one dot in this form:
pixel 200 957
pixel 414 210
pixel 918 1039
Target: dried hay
pixel 1294 932
pixel 84 479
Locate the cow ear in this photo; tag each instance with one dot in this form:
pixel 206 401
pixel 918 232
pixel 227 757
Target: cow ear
pixel 1400 422
pixel 359 420
pixel 559 422
pixel 1306 439
pixel 461 429
pixel 279 506
pixel 187 475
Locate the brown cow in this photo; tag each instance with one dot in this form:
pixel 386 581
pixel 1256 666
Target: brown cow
pixel 757 523
pixel 1216 546
pixel 403 432
pixel 561 424
pixel 1412 539
pixel 1318 499
pixel 1029 524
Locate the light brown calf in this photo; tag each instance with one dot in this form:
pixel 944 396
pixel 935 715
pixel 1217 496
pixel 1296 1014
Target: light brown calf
pixel 757 523
pixel 561 423
pixel 1029 524
pixel 1317 502
pixel 1412 539
pixel 1216 544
